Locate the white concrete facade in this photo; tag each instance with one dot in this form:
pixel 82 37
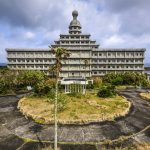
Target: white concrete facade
pixel 86 59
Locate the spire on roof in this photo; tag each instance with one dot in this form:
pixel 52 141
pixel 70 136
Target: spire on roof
pixel 75 26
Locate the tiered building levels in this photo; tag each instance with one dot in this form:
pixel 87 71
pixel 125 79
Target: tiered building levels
pixel 86 58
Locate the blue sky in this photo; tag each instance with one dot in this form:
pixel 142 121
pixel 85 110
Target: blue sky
pixel 37 23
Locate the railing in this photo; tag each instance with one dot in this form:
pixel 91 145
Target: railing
pixel 115 69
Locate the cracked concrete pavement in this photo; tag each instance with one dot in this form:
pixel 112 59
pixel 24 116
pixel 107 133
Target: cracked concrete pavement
pixel 14 126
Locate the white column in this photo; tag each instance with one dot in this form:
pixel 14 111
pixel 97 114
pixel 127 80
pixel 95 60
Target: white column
pixel 83 88
pixel 69 88
pixel 65 88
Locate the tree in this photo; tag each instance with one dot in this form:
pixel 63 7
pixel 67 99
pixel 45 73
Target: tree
pixel 60 54
pixel 7 81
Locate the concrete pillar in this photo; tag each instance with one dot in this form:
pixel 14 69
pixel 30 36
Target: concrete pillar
pixel 65 88
pixel 69 88
pixel 83 89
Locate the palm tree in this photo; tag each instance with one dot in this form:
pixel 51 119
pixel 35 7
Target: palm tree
pixel 52 69
pixel 60 54
pixel 86 64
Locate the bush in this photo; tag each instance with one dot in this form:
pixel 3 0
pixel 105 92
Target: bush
pixel 7 81
pixel 30 77
pixel 51 82
pixel 108 78
pixel 117 81
pixel 127 78
pixel 106 91
pixel 61 101
pixel 44 87
pixel 90 85
pixel 97 82
pixel 51 95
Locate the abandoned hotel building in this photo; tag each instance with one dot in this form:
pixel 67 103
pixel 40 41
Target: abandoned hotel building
pixel 99 61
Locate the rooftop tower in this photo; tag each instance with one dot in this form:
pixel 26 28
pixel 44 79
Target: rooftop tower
pixel 75 26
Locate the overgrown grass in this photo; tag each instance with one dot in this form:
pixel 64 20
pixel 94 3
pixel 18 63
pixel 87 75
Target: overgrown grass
pixel 48 148
pixel 121 87
pixel 141 146
pixel 145 95
pixel 80 109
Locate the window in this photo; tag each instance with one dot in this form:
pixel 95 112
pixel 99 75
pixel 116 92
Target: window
pixel 95 72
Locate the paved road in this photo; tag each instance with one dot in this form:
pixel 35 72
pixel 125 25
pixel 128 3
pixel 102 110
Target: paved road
pixel 14 125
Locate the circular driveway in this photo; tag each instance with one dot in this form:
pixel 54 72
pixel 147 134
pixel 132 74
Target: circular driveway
pixel 14 126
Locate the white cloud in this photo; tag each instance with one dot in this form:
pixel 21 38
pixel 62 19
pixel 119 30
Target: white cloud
pixel 115 23
pixel 114 40
pixel 29 35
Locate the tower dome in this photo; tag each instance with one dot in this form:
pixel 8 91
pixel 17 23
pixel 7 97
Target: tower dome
pixel 75 26
pixel 75 13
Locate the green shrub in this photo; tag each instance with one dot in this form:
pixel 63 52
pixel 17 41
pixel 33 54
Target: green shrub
pixel 117 81
pixel 61 101
pixel 106 91
pixel 97 82
pixel 127 78
pixel 90 85
pixel 51 95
